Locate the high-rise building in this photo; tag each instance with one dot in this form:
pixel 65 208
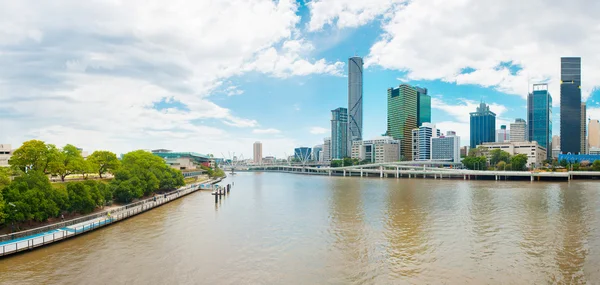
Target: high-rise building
pixel 464 151
pixel 257 153
pixel 483 125
pixel 539 117
pixel 355 100
pixel 339 133
pixel 316 152
pixel 326 155
pixel 594 134
pixel 385 149
pixel 518 131
pixel 584 143
pixel 555 146
pixel 302 154
pixel 446 148
pixel 423 141
pixel 570 105
pixel 423 106
pixel 502 134
pixel 402 117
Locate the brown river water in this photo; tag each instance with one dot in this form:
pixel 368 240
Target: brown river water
pixel 295 229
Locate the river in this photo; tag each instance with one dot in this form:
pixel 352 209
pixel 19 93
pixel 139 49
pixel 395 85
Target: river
pixel 295 229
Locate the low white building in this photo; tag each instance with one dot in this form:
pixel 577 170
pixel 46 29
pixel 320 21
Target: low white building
pixel 5 153
pixel 446 148
pixel 536 154
pixel 383 149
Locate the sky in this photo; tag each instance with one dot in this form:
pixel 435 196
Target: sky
pixel 213 76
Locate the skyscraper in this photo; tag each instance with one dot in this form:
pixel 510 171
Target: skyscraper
pixel 339 133
pixel 502 134
pixel 355 100
pixel 423 106
pixel 326 156
pixel 483 125
pixel 594 134
pixel 584 144
pixel 257 153
pixel 539 117
pixel 446 148
pixel 518 131
pixel 424 135
pixel 402 117
pixel 570 105
pixel 316 152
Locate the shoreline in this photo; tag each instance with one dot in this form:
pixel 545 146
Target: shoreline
pixel 14 243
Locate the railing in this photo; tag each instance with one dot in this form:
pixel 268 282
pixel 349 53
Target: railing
pixel 79 220
pixel 120 213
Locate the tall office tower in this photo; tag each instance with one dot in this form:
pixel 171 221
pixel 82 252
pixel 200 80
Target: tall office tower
pixel 518 131
pixel 326 150
pixel 593 134
pixel 257 153
pixel 446 148
pixel 339 133
pixel 584 144
pixel 355 100
pixel 502 134
pixel 402 117
pixel 424 135
pixel 316 152
pixel 423 106
pixel 539 117
pixel 556 142
pixel 483 125
pixel 570 105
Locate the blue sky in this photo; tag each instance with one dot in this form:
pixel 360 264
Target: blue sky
pixel 97 76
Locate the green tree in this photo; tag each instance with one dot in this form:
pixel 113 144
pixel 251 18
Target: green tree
pixel 34 155
pixel 596 165
pixel 2 209
pixel 31 197
pixel 497 155
pixel 347 161
pixel 336 163
pixel 519 161
pixel 80 198
pixel 5 174
pixel 501 165
pixel 67 162
pixel 475 162
pixel 563 163
pixel 103 161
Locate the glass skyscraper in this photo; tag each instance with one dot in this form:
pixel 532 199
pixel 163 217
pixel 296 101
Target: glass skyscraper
pixel 570 105
pixel 355 96
pixel 339 133
pixel 483 125
pixel 424 106
pixel 539 117
pixel 402 117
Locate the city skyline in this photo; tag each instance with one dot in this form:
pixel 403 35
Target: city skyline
pixel 273 74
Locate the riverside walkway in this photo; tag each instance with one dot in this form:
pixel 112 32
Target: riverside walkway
pixel 34 238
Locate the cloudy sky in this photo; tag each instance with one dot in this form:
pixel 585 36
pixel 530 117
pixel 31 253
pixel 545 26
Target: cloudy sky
pixel 213 76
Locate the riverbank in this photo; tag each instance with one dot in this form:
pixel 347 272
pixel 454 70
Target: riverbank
pixel 34 238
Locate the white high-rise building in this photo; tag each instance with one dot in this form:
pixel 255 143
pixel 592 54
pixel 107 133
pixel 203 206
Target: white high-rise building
pixel 502 134
pixel 257 153
pixel 326 153
pixel 446 148
pixel 422 149
pixel 317 152
pixel 518 131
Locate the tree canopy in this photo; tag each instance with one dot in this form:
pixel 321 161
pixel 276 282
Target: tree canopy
pixel 34 155
pixel 66 162
pixel 497 155
pixel 519 162
pixel 475 162
pixel 102 161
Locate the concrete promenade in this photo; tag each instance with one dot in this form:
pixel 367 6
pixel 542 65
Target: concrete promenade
pixel 34 238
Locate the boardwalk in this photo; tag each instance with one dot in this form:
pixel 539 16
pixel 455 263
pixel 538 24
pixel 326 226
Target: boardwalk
pixel 39 237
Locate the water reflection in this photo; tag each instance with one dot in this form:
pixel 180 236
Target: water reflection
pixel 405 229
pixel 484 223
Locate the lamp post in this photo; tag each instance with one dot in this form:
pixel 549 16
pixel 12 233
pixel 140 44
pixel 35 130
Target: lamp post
pixel 15 210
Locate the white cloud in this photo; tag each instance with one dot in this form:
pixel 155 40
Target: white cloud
pixel 438 39
pixel 91 73
pixel 347 13
pixel 318 130
pixel 266 131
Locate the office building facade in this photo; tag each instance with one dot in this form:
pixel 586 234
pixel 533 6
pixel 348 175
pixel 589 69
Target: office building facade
pixel 257 155
pixel 584 142
pixel 402 117
pixel 446 148
pixel 355 100
pixel 302 154
pixel 594 134
pixel 502 134
pixel 570 105
pixel 316 152
pixel 536 154
pixel 5 154
pixel 422 141
pixel 385 149
pixel 483 125
pixel 518 131
pixel 423 106
pixel 326 154
pixel 339 133
pixel 539 117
